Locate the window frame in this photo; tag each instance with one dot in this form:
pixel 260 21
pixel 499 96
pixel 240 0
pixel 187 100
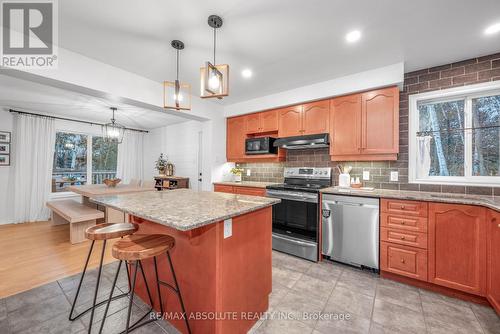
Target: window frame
pixel 467 93
pixel 90 137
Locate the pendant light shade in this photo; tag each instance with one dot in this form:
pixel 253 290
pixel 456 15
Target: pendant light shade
pixel 214 78
pixel 113 132
pixel 177 95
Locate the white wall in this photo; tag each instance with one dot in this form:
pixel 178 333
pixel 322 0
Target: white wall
pixel 6 124
pixel 381 77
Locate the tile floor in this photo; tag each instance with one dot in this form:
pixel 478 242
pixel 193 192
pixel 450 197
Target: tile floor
pixel 301 291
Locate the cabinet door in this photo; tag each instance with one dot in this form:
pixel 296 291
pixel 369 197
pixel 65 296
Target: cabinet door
pixel 380 121
pixel 493 281
pixel 345 125
pixel 457 247
pixel 222 188
pixel 269 121
pixel 290 121
pixel 235 138
pixel 253 124
pixel 403 260
pixel 315 117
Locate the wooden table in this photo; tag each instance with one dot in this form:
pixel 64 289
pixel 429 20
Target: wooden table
pixel 94 190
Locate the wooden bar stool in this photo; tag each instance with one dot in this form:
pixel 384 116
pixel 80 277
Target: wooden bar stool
pixel 102 232
pixel 137 248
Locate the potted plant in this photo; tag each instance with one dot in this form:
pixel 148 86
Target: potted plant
pixel 237 172
pixel 161 164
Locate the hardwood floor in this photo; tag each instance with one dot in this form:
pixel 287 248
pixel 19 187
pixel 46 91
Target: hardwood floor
pixel 33 254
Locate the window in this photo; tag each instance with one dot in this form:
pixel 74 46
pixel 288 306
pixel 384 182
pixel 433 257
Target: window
pixel 81 159
pixel 454 136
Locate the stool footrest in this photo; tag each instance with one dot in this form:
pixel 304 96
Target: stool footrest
pixel 125 294
pixel 168 285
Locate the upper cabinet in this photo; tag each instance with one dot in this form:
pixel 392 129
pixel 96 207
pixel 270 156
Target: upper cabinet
pixel 365 127
pixel 290 121
pixel 235 138
pixel 266 121
pixel 345 138
pixel 315 117
pixel 380 121
pixel 307 119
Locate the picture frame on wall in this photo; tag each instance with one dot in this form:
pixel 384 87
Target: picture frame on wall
pixel 4 160
pixel 5 136
pixel 4 148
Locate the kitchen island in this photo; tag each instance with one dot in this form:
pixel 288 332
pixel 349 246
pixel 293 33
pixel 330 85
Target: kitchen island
pixel 224 275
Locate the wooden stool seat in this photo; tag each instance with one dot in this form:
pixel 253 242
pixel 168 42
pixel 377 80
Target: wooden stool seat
pixel 142 246
pixel 110 231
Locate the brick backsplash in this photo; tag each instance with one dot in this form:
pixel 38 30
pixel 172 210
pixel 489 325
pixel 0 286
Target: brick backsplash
pixel 467 72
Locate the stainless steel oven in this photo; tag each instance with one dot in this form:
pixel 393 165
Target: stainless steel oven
pixel 295 219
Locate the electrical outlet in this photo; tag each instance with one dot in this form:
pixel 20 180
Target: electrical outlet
pixel 228 228
pixel 249 172
pixel 394 176
pixel 366 175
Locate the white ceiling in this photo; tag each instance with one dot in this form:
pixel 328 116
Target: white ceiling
pixel 287 43
pixel 28 96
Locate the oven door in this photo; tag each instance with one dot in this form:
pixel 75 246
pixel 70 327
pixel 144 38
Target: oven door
pixel 296 215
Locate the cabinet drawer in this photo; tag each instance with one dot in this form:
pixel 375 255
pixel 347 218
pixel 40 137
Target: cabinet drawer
pixel 250 191
pixel 403 260
pixel 414 224
pixel 408 238
pixel 223 188
pixel 406 208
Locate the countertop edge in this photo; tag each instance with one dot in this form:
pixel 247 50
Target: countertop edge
pixel 243 184
pixel 183 228
pixel 415 197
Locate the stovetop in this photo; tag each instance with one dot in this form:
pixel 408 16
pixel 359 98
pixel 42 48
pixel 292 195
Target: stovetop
pixel 312 188
pixel 306 179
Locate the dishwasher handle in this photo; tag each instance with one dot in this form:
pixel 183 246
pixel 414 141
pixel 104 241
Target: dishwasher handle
pixel 357 205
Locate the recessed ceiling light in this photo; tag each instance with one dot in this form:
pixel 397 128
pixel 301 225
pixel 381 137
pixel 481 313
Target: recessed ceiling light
pixel 353 36
pixel 493 29
pixel 246 73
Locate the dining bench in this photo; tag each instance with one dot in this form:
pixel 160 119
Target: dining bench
pixel 78 215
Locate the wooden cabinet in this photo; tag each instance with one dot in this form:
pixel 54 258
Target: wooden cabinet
pixel 365 126
pixel 315 117
pixel 457 247
pixel 380 121
pixel 240 190
pixel 493 259
pixel 266 121
pixel 345 124
pixel 403 238
pixel 308 119
pixel 403 260
pixel 290 121
pixel 235 138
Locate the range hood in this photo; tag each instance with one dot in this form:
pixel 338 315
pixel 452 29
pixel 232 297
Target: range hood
pixel 303 142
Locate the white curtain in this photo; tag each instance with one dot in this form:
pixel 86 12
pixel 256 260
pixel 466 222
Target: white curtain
pixel 31 172
pixel 423 156
pixel 130 157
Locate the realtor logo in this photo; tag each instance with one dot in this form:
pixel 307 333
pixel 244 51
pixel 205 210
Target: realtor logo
pixel 29 34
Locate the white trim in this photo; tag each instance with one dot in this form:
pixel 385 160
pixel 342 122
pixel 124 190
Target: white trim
pixel 467 93
pixel 63 195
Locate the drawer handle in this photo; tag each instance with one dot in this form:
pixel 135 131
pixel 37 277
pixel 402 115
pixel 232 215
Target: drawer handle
pixel 402 207
pixel 402 238
pixel 403 261
pixel 403 222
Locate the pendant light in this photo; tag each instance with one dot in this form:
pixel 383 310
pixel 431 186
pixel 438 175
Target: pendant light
pixel 177 95
pixel 113 132
pixel 214 79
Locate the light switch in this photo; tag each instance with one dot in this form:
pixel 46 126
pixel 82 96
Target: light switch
pixel 366 175
pixel 394 176
pixel 228 228
pixel 249 172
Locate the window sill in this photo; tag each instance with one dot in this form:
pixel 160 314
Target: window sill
pixel 457 183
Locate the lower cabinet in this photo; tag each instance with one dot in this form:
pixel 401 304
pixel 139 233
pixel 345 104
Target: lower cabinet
pixel 404 260
pixel 493 244
pixel 457 247
pixel 241 190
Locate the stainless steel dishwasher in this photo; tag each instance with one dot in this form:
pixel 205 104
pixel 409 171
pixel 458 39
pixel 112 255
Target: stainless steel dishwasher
pixel 350 230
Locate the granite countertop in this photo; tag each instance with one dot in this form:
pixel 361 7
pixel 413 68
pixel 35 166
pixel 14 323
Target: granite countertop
pixel 492 202
pixel 185 209
pixel 251 184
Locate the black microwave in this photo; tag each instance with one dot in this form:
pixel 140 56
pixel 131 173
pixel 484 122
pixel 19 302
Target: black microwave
pixel 262 145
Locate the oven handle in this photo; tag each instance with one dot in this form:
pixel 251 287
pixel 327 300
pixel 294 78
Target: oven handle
pixel 300 198
pixel 294 240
